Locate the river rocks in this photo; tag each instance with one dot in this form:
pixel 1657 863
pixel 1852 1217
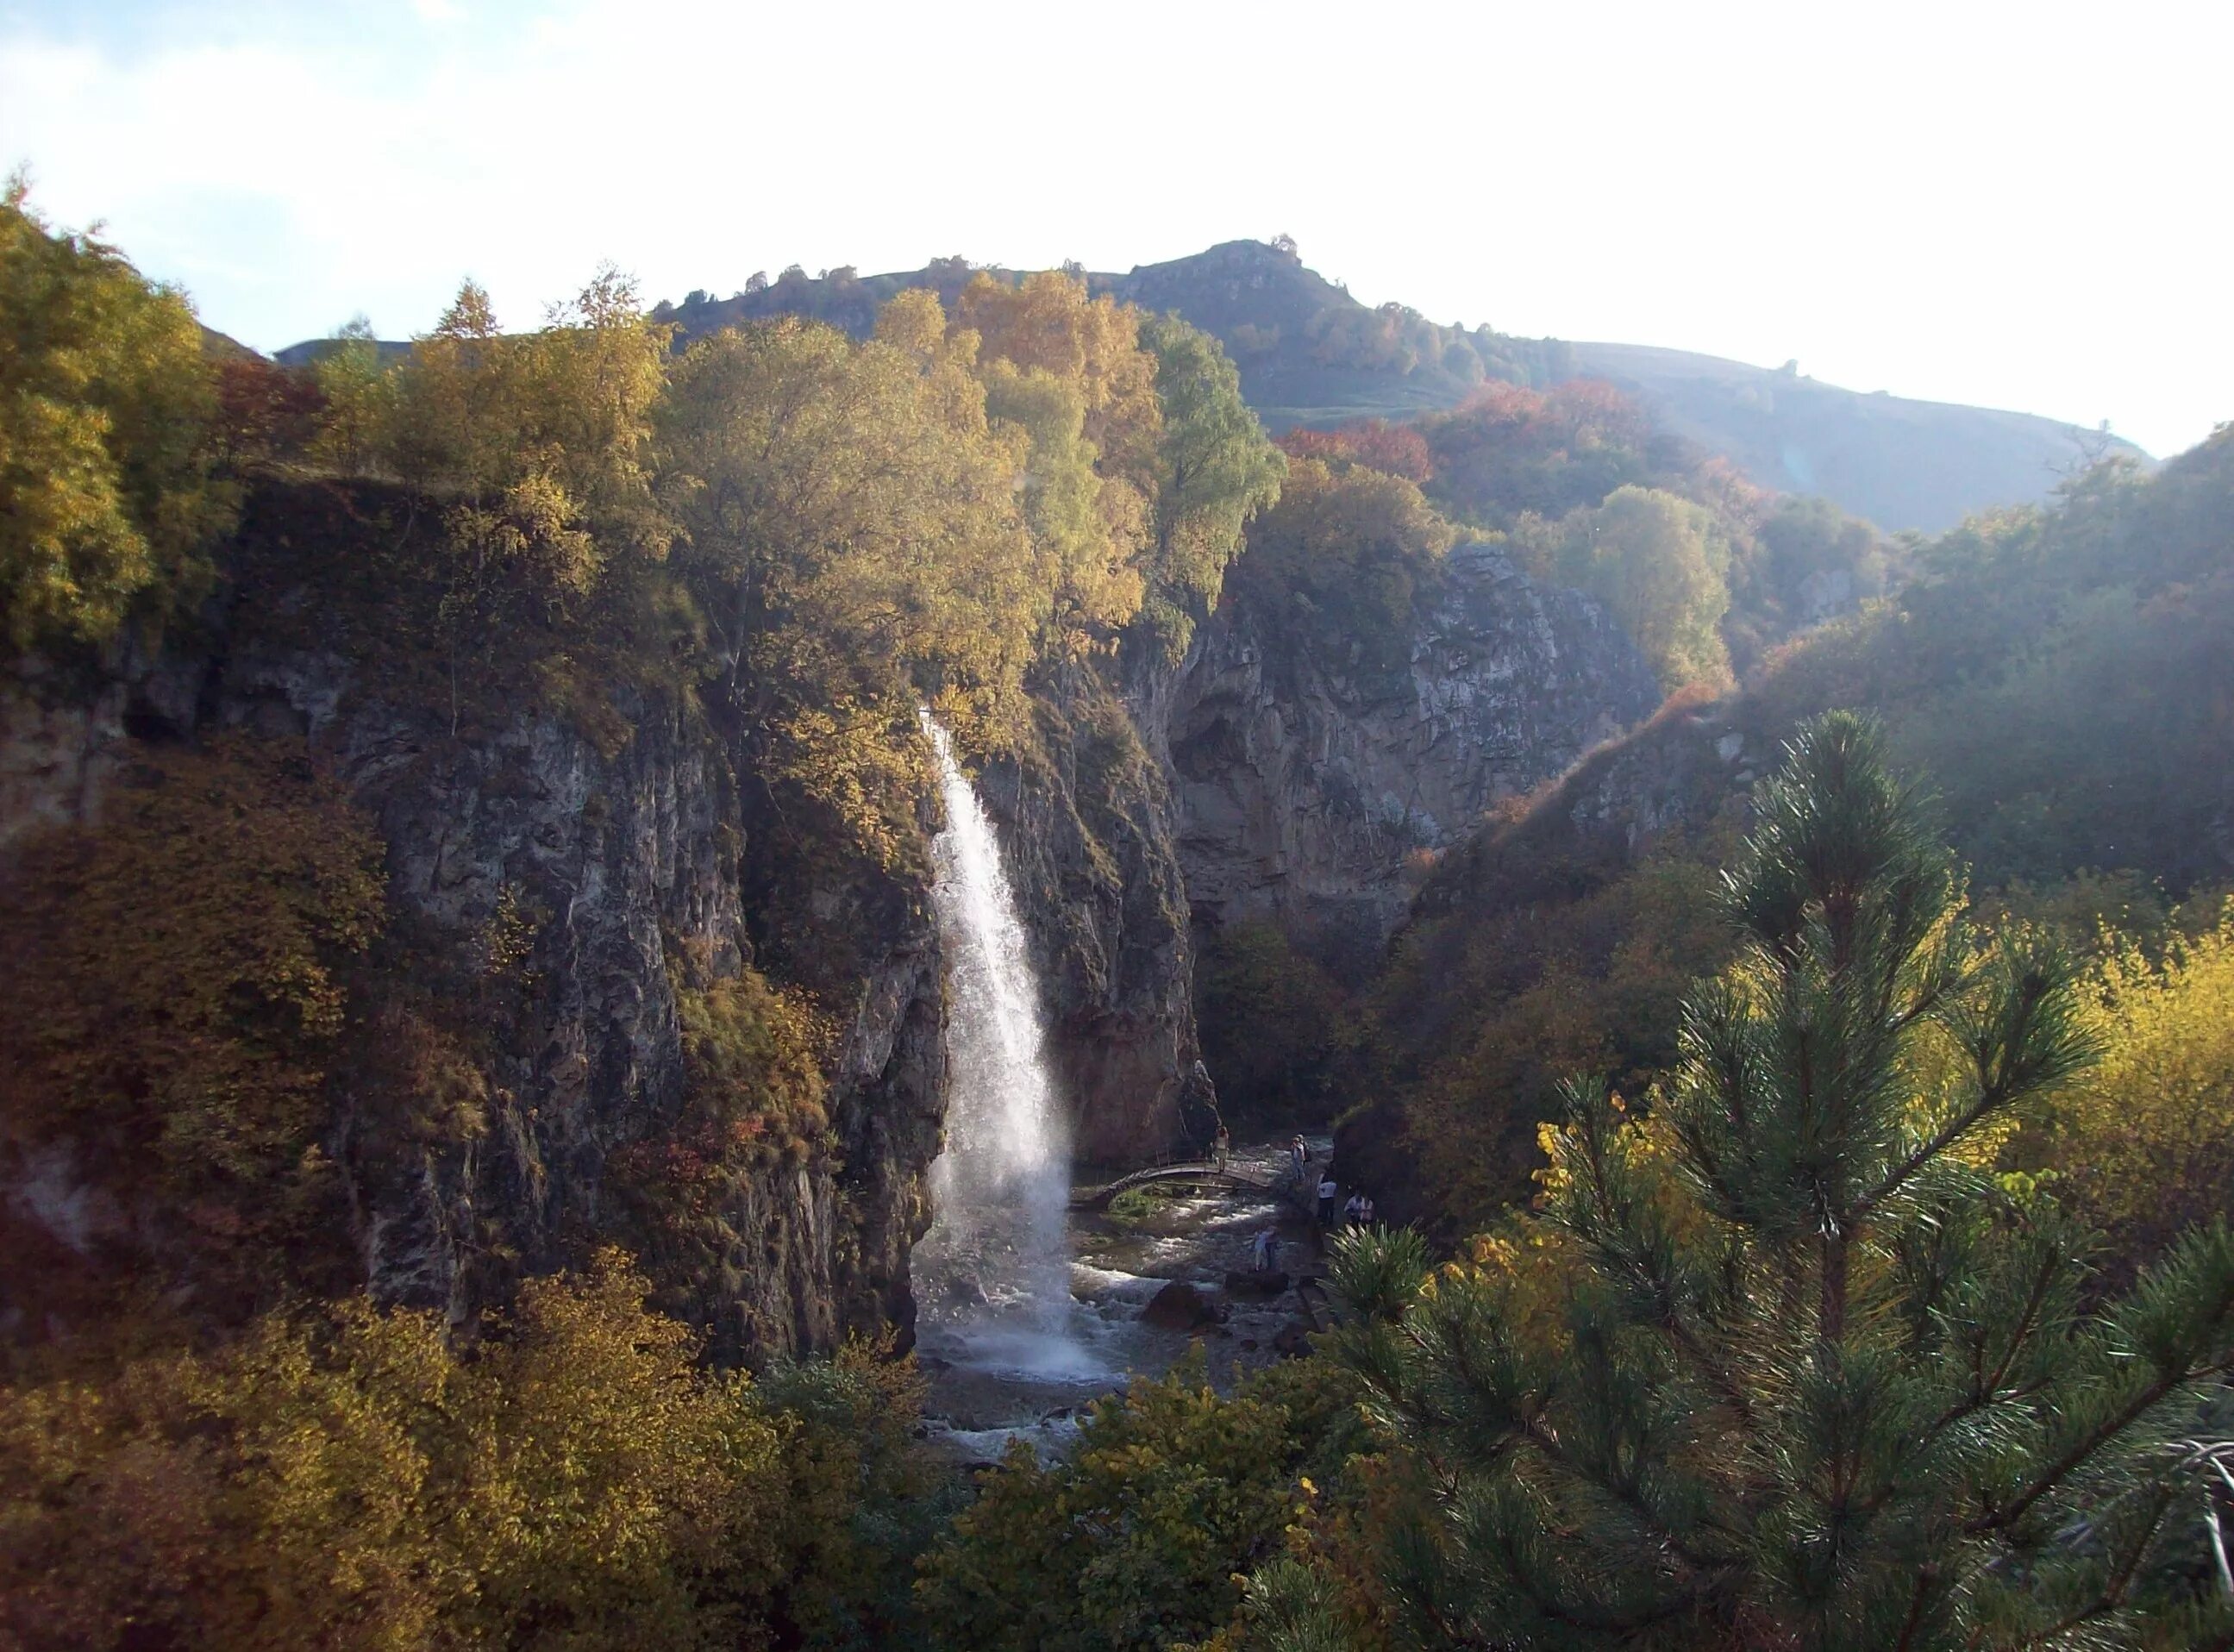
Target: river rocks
pixel 1263 1282
pixel 1293 1340
pixel 964 1293
pixel 1180 1307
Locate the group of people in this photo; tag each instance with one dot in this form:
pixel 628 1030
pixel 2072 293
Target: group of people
pixel 1357 1212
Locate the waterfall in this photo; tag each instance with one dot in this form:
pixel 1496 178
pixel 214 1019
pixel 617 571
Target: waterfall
pixel 995 1268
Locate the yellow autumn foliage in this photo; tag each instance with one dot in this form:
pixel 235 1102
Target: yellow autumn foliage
pixel 2144 1146
pixel 349 1479
pixel 106 488
pixel 174 975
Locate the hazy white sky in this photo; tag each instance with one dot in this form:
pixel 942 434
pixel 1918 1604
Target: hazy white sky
pixel 2021 206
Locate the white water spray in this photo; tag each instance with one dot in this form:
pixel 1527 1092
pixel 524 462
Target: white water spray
pixel 995 1268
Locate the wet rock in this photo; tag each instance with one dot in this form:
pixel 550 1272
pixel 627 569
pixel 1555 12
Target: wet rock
pixel 1256 1282
pixel 1088 832
pixel 1294 1339
pixel 1179 1307
pixel 965 1293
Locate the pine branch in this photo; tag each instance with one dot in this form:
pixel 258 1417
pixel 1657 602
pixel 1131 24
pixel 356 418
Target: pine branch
pixel 2111 1596
pixel 1984 1388
pixel 2097 1437
pixel 1624 1492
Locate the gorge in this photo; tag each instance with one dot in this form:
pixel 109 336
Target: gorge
pixel 573 901
pixel 651 869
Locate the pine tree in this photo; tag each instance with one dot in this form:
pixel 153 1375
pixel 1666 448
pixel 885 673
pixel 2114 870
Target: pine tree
pixel 1788 1368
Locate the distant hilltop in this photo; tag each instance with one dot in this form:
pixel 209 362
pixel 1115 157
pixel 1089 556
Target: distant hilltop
pixel 1311 354
pixel 1900 463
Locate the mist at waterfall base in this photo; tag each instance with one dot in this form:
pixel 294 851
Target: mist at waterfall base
pixel 993 1274
pixel 1022 1318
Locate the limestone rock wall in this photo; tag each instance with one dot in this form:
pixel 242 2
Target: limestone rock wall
pixel 622 856
pixel 1087 830
pixel 1304 784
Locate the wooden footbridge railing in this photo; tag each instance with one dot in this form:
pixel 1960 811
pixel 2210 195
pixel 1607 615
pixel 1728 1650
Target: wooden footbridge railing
pixel 1201 1172
pixel 1097 1198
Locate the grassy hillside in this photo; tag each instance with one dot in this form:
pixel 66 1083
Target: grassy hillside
pixel 1309 354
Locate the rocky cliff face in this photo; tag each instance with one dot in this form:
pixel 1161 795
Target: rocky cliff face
pixel 619 855
pixel 1305 783
pixel 1267 776
pixel 1087 826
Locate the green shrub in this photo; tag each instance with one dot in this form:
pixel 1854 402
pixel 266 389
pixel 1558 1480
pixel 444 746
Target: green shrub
pixel 1137 1537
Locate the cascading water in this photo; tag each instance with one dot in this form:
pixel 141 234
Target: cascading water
pixel 994 1272
pixel 1012 1354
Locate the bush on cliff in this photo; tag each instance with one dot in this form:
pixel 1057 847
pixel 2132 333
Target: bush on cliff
pixel 178 981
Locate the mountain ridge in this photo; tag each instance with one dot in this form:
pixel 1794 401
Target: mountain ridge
pixel 1311 354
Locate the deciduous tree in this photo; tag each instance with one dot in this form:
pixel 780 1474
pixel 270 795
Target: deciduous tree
pixel 106 403
pixel 1215 472
pixel 1660 563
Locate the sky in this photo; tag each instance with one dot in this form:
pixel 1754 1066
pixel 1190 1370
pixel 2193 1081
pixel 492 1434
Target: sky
pixel 2010 206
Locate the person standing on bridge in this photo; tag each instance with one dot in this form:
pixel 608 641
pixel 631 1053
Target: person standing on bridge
pixel 1220 1145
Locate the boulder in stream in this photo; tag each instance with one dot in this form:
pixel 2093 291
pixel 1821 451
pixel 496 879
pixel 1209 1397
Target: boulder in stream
pixel 1180 1307
pixel 1294 1340
pixel 1267 1282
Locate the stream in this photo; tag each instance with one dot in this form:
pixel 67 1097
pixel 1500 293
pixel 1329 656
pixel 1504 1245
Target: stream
pixel 988 1387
